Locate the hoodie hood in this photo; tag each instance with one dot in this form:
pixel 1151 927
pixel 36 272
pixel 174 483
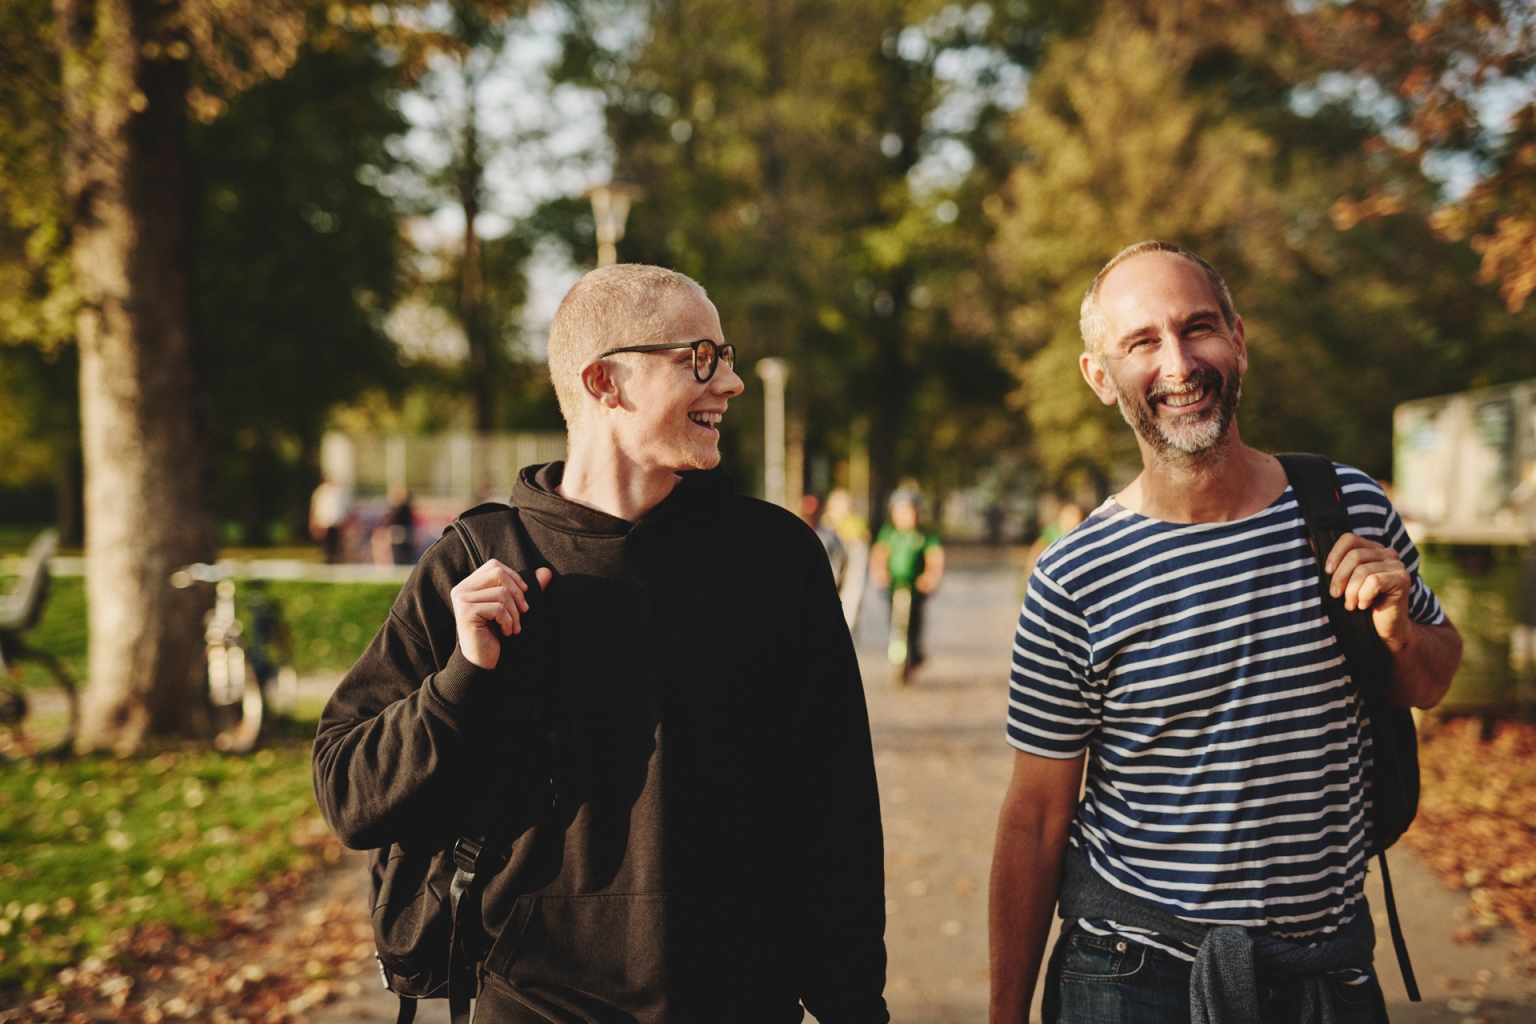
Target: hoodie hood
pixel 535 493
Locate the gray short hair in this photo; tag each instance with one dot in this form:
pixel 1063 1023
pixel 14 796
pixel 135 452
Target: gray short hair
pixel 1091 321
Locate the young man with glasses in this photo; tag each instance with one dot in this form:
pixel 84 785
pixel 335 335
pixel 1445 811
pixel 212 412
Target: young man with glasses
pixel 646 691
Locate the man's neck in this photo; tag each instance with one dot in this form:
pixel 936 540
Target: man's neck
pixel 1229 483
pixel 599 475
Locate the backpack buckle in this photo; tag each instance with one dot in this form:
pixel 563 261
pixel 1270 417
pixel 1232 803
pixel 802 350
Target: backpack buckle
pixel 472 855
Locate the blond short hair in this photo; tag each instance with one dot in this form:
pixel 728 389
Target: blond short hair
pixel 611 307
pixel 1090 321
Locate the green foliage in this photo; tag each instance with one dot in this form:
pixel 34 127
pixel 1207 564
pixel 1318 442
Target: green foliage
pixel 37 299
pixel 331 623
pixel 297 253
pixel 91 846
pixel 1131 136
pixel 776 143
pixel 38 413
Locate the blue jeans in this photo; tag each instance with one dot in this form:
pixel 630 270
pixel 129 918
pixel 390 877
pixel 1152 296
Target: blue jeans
pixel 1095 979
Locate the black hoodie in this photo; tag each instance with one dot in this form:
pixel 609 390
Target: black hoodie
pixel 714 853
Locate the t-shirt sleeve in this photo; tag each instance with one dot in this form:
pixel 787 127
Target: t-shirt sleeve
pixel 886 532
pixel 1372 516
pixel 931 541
pixel 1051 709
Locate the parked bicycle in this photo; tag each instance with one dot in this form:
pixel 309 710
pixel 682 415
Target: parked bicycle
pixel 248 678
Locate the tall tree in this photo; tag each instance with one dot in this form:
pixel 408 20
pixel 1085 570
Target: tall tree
pixel 127 83
pixel 1146 129
pixel 1457 78
pixel 779 144
pixel 297 259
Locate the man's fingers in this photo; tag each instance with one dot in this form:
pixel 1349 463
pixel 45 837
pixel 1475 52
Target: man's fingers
pixel 1340 548
pixel 1348 565
pixel 502 613
pixel 1374 580
pixel 500 590
pixel 543 575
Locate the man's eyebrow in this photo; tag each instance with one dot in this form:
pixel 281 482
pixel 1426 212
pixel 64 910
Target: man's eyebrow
pixel 1199 315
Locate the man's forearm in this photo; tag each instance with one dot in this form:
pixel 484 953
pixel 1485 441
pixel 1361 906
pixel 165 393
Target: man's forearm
pixel 1422 671
pixel 1026 873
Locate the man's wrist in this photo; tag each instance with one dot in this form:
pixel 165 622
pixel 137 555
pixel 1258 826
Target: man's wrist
pixel 460 682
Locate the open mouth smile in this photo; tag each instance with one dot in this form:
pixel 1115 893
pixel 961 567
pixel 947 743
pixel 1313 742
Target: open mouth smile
pixel 709 420
pixel 1183 399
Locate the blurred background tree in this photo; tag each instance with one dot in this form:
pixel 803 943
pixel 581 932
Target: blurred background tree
pixel 1162 121
pixel 297 265
pixel 904 198
pixel 793 163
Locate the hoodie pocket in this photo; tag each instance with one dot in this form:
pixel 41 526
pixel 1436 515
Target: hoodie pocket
pixel 588 958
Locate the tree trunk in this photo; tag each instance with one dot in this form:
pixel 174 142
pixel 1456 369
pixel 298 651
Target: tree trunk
pixel 893 383
pixel 481 364
pixel 144 459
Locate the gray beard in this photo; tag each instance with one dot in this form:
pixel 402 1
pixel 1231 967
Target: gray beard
pixel 1189 443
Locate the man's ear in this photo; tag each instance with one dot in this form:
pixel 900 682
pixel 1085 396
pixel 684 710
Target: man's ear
pixel 1240 338
pixel 598 381
pixel 1097 377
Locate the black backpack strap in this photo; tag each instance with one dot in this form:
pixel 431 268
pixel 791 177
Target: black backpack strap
pixel 475 860
pixel 1317 491
pixel 469 543
pixel 1321 500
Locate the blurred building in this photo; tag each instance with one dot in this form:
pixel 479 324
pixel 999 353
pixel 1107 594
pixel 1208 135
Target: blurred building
pixel 444 474
pixel 1464 468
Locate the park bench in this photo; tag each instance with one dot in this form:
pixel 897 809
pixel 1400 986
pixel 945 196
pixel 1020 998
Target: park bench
pixel 20 610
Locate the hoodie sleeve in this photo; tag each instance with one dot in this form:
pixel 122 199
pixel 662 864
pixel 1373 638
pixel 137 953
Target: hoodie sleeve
pixel 397 755
pixel 842 874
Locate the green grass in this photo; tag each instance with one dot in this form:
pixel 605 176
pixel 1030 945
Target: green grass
pixel 330 624
pixel 91 846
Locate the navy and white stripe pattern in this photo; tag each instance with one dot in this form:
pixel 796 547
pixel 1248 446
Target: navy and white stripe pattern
pixel 1195 664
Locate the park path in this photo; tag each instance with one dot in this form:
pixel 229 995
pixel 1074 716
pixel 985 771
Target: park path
pixel 943 767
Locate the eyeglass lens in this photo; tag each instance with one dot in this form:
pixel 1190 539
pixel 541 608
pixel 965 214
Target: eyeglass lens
pixel 707 356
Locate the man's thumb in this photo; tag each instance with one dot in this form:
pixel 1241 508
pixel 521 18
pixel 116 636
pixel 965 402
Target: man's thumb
pixel 543 575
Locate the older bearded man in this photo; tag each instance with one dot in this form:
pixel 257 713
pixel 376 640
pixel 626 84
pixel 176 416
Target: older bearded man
pixel 1175 644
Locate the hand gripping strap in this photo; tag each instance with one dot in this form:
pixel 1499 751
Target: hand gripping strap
pixel 1316 486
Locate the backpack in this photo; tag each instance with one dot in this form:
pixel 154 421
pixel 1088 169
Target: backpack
pixel 1394 773
pixel 429 937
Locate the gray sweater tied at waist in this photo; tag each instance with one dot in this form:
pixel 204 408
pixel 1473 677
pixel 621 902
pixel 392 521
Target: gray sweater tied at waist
pixel 1223 986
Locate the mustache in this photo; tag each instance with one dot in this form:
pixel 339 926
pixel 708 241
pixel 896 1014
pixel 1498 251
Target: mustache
pixel 1201 378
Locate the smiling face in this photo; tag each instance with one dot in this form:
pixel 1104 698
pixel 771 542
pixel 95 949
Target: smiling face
pixel 1168 357
pixel 663 418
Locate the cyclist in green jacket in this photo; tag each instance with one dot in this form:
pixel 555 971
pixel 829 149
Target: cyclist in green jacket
pixel 908 562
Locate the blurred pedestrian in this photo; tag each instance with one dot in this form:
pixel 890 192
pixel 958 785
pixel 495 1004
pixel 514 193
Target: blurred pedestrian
pixel 837 555
pixel 394 539
pixel 1175 644
pixel 907 559
pixel 852 532
pixel 642 681
pixel 327 509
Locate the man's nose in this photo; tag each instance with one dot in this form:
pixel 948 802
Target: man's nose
pixel 1175 357
pixel 725 382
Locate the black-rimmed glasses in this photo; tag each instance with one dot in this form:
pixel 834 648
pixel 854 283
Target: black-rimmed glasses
pixel 707 355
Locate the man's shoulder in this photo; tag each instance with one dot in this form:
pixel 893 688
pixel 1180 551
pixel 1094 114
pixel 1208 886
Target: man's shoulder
pixel 1098 536
pixel 1357 481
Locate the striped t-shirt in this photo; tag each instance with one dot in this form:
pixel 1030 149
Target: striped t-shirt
pixel 1195 664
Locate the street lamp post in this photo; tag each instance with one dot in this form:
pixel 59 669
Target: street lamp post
pixel 610 209
pixel 775 372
